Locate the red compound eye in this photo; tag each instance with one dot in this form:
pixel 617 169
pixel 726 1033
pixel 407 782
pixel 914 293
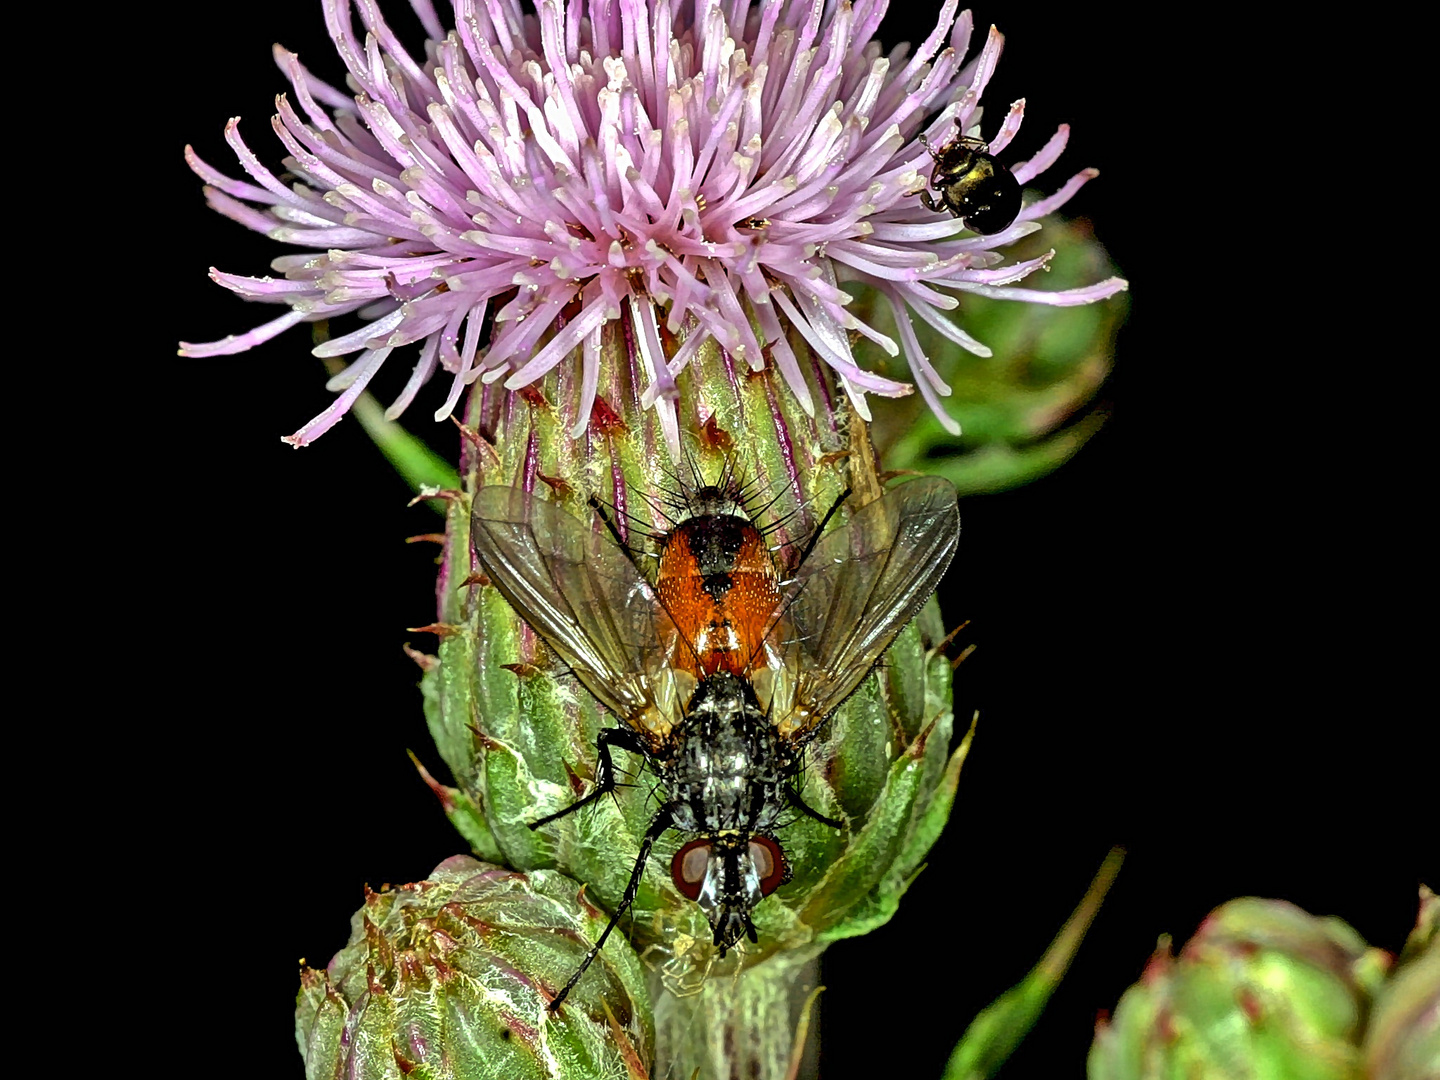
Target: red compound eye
pixel 688 868
pixel 769 863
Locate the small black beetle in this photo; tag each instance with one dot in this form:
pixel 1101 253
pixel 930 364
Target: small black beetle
pixel 973 186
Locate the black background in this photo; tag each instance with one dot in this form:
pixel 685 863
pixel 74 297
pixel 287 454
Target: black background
pixel 1185 636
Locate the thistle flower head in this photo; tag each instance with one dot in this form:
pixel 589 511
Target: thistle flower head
pixel 690 169
pixel 1262 989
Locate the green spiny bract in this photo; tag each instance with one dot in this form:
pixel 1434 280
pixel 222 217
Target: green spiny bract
pixel 445 979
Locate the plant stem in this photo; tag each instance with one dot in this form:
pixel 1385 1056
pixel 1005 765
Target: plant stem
pixel 734 1027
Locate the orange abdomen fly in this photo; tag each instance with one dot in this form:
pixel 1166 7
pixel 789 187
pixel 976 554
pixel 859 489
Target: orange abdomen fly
pixel 717 582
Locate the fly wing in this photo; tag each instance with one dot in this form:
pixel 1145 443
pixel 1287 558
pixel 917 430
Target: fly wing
pixel 578 590
pixel 860 586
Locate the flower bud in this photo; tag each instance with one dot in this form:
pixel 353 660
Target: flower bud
pixel 450 977
pixel 1402 1041
pixel 1263 989
pixel 1025 401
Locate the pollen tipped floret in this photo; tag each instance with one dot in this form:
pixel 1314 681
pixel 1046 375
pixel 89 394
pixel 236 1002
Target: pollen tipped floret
pixel 718 168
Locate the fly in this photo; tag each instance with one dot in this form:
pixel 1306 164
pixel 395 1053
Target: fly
pixel 716 577
pixel 722 722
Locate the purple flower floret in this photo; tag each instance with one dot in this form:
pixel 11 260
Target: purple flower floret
pixel 720 167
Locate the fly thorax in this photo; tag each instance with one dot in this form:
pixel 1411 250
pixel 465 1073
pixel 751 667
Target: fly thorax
pixel 715 542
pixel 728 772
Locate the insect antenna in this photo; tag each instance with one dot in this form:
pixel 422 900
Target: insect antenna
pixel 638 526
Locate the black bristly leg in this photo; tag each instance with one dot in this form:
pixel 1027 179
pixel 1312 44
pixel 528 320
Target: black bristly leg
pixel 793 798
pixel 815 536
pixel 625 739
pixel 599 508
pixel 658 826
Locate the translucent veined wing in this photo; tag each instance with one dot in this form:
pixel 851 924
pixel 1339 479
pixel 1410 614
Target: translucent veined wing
pixel 580 592
pixel 860 586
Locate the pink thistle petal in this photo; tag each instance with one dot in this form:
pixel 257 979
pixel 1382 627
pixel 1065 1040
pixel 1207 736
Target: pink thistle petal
pixel 1086 294
pixel 784 356
pixel 948 329
pixel 589 382
pixel 1001 276
pixel 278 192
pixel 652 356
pixel 423 368
pixel 266 289
pixel 369 363
pixel 1060 198
pixel 687 350
pixel 355 341
pixel 577 329
pixel 310 90
pixel 475 319
pixel 830 344
pixel 216 179
pixel 255 220
pixel 1025 171
pixel 725 160
pixel 927 381
pixel 919 362
pixel 236 343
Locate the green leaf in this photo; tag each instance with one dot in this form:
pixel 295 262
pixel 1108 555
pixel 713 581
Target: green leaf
pixel 930 824
pixel 418 465
pixel 993 1035
pixel 870 855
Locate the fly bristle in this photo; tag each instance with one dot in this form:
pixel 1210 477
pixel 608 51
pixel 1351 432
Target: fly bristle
pixel 681 498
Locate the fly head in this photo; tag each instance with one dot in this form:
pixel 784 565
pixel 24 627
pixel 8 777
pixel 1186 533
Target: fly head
pixel 727 876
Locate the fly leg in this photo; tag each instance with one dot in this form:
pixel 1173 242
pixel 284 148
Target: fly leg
pixel 659 825
pixel 792 796
pixel 625 739
pixel 599 508
pixel 815 536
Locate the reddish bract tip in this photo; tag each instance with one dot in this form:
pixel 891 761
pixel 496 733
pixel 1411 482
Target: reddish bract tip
pixel 714 437
pixel 556 484
pixel 604 419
